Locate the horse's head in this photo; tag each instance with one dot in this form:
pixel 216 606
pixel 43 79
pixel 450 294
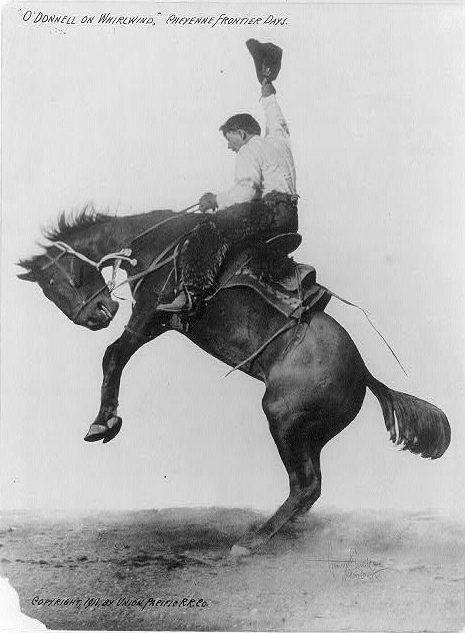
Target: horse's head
pixel 75 286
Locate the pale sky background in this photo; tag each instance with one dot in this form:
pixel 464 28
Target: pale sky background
pixel 127 118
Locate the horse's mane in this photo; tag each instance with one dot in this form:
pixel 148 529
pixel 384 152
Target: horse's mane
pixel 67 224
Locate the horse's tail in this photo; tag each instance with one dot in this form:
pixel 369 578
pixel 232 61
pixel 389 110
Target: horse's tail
pixel 412 423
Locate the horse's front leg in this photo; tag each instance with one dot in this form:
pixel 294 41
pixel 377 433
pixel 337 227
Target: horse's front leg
pixel 139 331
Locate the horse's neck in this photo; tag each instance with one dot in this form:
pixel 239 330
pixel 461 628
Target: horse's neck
pixel 113 235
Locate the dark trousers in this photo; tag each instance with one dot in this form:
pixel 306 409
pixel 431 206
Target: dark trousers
pixel 229 231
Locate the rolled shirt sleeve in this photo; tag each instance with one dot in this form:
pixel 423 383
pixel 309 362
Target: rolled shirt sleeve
pixel 247 179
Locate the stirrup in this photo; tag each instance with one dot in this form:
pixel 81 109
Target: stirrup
pixel 181 303
pixel 284 242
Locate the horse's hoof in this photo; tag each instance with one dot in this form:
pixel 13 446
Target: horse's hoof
pixel 96 432
pixel 239 551
pixel 114 427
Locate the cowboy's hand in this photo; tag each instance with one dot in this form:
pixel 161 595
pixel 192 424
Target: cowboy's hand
pixel 207 202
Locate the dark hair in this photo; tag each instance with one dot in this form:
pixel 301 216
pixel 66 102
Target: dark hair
pixel 244 122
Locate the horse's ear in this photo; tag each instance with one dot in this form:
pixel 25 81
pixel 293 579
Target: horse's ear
pixel 29 276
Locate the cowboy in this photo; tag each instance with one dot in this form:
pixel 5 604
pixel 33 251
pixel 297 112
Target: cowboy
pixel 261 204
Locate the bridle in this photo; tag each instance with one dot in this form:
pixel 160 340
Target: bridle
pixel 123 255
pixel 117 257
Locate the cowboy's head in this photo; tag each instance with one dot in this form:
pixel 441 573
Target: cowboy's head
pixel 239 129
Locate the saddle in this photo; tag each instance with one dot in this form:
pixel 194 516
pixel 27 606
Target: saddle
pixel 293 291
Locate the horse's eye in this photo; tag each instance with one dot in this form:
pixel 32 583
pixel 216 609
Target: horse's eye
pixel 51 282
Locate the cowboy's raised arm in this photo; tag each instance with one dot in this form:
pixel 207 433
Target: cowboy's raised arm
pixel 274 118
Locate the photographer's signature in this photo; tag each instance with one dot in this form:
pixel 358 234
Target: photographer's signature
pixel 352 567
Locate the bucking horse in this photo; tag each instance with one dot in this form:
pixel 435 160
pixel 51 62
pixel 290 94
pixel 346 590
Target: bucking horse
pixel 315 379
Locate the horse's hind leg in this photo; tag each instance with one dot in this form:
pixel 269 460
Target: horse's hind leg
pixel 299 449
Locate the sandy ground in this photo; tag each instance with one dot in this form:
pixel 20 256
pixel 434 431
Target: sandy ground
pixel 330 570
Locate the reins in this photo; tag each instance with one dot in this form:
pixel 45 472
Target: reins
pixel 123 255
pixel 157 263
pixel 174 217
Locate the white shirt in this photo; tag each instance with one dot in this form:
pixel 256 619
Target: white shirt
pixel 263 164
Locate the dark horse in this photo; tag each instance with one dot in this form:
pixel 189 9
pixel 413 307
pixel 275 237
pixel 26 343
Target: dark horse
pixel 315 379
